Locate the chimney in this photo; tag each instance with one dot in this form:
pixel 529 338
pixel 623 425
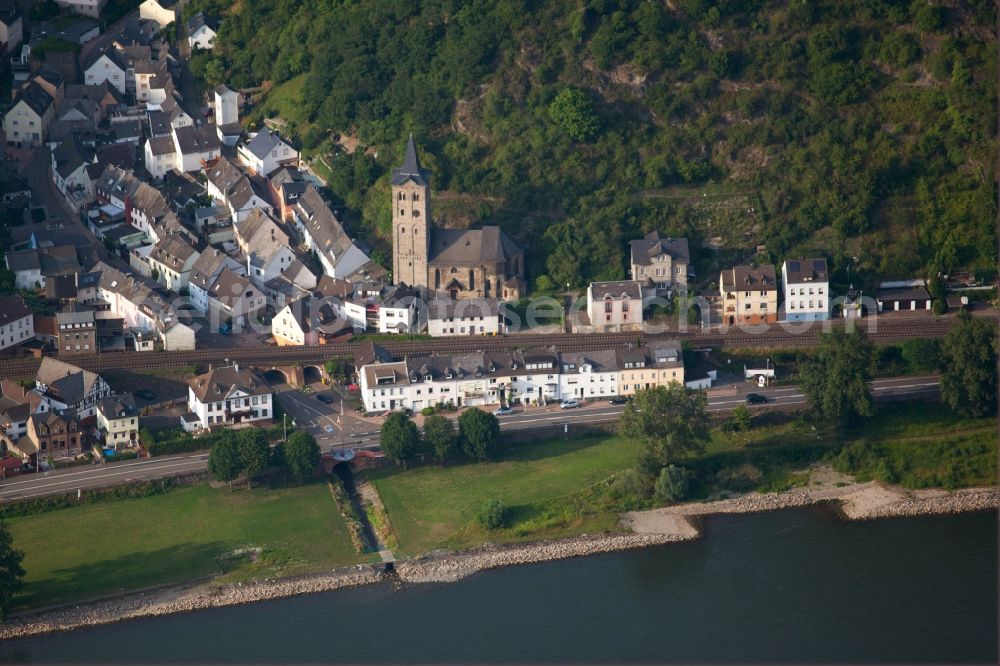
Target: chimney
pixel 236 367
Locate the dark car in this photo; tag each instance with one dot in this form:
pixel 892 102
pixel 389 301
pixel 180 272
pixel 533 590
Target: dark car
pixel 145 395
pixel 325 399
pixel 618 400
pixel 756 399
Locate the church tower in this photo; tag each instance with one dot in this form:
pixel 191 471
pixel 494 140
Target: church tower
pixel 411 219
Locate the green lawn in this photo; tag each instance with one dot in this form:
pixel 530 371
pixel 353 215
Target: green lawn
pixel 93 551
pixel 433 507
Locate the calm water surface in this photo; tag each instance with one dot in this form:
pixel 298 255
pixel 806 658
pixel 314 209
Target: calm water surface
pixel 792 586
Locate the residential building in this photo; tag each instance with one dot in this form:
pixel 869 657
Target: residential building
pixel 468 316
pixel 16 322
pixel 142 308
pixel 664 260
pixel 807 289
pixel 458 263
pixel 265 152
pixel 77 333
pixel 11 27
pixel 237 190
pixel 162 12
pixel 397 311
pixel 194 146
pixel 160 155
pixel 108 65
pixel 307 321
pixel 658 364
pixel 295 281
pixel 118 421
pixel 615 306
pixel 588 375
pixel 51 436
pixel 172 259
pixel 749 295
pixel 91 8
pixel 201 31
pixel 17 404
pixel 69 162
pixel 32 267
pixel 322 232
pixel 233 300
pixel 65 386
pixel 26 123
pixel 231 394
pixel 227 106
pixel 204 271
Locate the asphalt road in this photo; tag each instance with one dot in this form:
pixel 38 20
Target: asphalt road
pixel 315 416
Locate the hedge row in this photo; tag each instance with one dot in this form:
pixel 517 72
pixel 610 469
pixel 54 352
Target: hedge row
pixel 175 441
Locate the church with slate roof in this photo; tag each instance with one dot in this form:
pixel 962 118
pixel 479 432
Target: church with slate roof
pixel 447 263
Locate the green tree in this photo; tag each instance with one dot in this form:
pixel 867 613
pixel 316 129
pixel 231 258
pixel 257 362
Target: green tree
pixel 969 355
pixel 921 354
pixel 224 461
pixel 573 111
pixel 479 431
pixel 670 422
pixel 254 453
pixel 672 484
pixel 303 453
pixel 836 380
pixel 279 461
pixel 493 515
pixel 739 419
pixel 399 438
pixel 440 437
pixel 11 572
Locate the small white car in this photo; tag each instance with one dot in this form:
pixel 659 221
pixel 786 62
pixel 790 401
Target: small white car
pixel 328 428
pixel 503 411
pixel 569 404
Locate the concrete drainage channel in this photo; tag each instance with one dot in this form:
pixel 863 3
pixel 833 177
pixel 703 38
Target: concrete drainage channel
pixel 368 533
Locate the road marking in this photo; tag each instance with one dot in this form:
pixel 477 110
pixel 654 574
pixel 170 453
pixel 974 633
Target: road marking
pixel 97 477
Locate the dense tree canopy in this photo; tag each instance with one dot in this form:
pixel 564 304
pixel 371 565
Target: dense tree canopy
pixel 399 438
pixel 11 571
pixel 303 454
pixel 670 421
pixel 440 437
pixel 479 431
pixel 969 377
pixel 836 379
pixel 224 461
pixel 852 127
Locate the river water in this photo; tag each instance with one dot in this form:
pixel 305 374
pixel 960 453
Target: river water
pixel 792 586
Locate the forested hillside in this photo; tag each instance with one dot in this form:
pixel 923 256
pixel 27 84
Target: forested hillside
pixel 848 127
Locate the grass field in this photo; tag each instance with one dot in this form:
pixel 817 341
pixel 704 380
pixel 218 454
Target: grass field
pixel 433 507
pixel 93 551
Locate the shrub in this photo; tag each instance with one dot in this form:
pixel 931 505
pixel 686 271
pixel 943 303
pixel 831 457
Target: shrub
pixel 630 488
pixel 429 411
pixel 493 515
pixel 741 478
pixel 672 485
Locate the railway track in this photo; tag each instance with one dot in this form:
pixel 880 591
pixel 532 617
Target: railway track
pixel 886 331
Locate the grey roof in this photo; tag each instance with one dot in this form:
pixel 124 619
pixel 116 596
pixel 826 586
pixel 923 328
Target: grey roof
pixel 118 406
pixel 756 278
pixel 228 288
pixel 806 270
pixel 159 123
pixel 75 317
pixel 618 289
pixel 59 260
pixel 94 93
pixel 411 169
pixel 447 308
pixel 161 145
pixel 36 97
pixel 320 222
pixel 199 20
pixel 903 294
pixel 122 231
pixel 216 384
pixel 172 251
pixel 66 382
pixel 260 231
pixel 127 129
pixel 12 308
pixel 603 360
pixel 263 143
pixel 471 247
pixel 245 189
pixel 197 139
pixel 71 155
pixel 654 244
pixel 122 155
pixel 23 260
pixel 208 266
pixel 224 174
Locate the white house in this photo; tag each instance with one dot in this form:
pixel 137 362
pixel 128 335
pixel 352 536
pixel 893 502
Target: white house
pixel 465 316
pixel 204 271
pixel 591 374
pixel 118 421
pixel 807 289
pixel 227 106
pixel 172 258
pixel 162 12
pixel 91 8
pixel 65 386
pixel 159 155
pixel 16 322
pixel 231 394
pixel 26 123
pixel 27 269
pixel 201 32
pixel 232 300
pixel 397 312
pixel 306 321
pixel 110 66
pixel 615 306
pixel 266 152
pixel 11 27
pixel 194 146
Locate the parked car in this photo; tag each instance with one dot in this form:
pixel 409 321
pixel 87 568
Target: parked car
pixel 756 399
pixel 569 404
pixel 145 394
pixel 324 398
pixel 503 411
pixel 618 400
pixel 328 428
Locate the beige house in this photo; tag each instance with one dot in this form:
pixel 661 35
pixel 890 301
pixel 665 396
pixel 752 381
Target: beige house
pixel 26 124
pixel 615 306
pixel 11 27
pixel 661 259
pixel 659 364
pixel 163 12
pixel 749 295
pixel 118 421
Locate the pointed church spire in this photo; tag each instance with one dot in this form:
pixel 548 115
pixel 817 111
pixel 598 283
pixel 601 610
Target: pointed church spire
pixel 411 169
